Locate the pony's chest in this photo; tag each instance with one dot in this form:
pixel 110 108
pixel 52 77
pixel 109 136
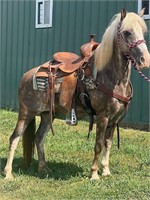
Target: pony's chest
pixel 105 105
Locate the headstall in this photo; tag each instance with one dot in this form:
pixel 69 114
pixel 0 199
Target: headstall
pixel 130 46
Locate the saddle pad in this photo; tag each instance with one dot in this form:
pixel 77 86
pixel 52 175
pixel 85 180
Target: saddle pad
pixel 40 81
pixel 41 84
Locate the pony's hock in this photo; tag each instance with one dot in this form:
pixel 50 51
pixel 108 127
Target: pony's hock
pixel 99 80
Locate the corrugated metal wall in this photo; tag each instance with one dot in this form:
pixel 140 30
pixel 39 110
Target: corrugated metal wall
pixel 24 47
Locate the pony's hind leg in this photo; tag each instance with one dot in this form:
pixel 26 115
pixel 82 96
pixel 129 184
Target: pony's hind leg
pixel 106 153
pixel 44 127
pixel 99 143
pixel 14 139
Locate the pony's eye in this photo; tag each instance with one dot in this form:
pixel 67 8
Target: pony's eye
pixel 127 33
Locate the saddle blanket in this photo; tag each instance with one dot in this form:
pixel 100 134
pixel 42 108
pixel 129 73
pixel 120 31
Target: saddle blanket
pixel 41 83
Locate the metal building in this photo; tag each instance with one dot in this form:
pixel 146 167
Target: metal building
pixel 24 45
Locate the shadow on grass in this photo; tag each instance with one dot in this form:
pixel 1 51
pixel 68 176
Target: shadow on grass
pixel 56 170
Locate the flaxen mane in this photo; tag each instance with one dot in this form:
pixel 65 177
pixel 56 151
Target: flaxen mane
pixel 104 51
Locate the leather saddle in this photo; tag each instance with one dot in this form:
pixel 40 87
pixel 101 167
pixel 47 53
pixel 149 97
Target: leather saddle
pixel 66 62
pixel 69 62
pixel 64 66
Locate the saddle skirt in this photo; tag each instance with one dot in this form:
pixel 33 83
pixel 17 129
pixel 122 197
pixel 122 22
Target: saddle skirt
pixel 40 79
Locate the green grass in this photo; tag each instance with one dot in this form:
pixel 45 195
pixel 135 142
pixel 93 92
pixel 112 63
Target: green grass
pixel 69 156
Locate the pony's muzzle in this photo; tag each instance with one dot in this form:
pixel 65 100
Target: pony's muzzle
pixel 144 61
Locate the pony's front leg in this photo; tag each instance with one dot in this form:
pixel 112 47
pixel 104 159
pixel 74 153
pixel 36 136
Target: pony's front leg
pixel 100 134
pixel 106 153
pixel 105 159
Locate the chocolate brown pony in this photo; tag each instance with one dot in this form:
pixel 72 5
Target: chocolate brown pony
pixel 122 42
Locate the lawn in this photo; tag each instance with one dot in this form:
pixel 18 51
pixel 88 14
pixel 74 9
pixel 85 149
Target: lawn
pixel 69 156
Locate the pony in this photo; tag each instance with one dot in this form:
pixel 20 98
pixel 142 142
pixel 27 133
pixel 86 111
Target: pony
pixel 109 91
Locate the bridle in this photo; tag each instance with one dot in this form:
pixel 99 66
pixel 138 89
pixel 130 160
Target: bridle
pixel 130 46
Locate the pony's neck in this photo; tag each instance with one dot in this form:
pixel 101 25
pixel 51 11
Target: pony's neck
pixel 117 71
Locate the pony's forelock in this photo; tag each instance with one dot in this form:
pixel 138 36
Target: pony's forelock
pixel 133 20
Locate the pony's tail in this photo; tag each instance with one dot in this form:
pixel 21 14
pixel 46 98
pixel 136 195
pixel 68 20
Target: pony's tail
pixel 28 143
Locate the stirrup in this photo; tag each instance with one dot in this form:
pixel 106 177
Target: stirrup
pixel 71 118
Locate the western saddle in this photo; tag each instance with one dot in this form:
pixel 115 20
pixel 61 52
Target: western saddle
pixel 64 71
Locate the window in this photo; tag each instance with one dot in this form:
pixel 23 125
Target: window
pixel 44 10
pixel 144 4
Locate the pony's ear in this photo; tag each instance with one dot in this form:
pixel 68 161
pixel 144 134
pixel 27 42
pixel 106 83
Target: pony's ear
pixel 123 14
pixel 141 13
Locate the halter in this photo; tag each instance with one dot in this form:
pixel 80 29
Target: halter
pixel 130 46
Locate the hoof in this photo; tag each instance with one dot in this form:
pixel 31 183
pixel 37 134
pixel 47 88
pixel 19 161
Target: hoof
pixel 44 169
pixel 44 172
pixel 106 173
pixel 94 177
pixel 9 177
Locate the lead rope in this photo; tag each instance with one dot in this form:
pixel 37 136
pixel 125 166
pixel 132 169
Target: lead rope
pixel 137 69
pixel 142 75
pixel 118 136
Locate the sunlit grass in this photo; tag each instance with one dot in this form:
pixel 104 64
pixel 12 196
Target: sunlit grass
pixel 69 156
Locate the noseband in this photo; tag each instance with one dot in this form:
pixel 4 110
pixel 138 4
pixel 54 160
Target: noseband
pixel 130 46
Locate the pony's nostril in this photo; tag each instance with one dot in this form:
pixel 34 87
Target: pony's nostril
pixel 142 60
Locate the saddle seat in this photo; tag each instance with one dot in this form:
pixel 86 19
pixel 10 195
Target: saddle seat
pixel 70 62
pixel 66 61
